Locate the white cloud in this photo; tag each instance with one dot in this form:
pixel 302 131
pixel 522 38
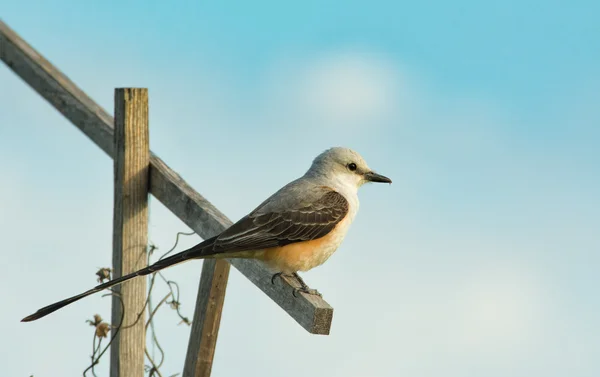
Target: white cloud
pixel 338 90
pixel 349 88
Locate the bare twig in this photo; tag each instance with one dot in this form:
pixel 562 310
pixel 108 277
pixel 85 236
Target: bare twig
pixel 176 242
pixel 155 309
pixel 174 303
pixel 96 359
pixel 154 338
pixel 154 368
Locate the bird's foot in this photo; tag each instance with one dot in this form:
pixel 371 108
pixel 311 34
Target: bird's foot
pixel 303 287
pixel 306 290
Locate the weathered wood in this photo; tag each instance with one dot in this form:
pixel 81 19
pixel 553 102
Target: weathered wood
pixel 209 306
pixel 130 229
pixel 313 313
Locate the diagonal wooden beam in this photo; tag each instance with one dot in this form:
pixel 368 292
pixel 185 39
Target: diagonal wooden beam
pixel 311 312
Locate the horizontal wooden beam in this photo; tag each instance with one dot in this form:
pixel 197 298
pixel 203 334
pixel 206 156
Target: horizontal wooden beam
pixel 311 312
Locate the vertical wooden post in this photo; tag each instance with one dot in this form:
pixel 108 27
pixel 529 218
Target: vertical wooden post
pixel 207 318
pixel 130 228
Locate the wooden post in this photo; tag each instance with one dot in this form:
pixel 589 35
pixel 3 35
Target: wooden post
pixel 207 318
pixel 130 237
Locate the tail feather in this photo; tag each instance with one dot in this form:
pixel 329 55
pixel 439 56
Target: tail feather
pixel 202 250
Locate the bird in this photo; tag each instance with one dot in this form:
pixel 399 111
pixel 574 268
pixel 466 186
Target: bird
pixel 296 229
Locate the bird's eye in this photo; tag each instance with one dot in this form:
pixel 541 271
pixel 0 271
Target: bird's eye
pixel 352 166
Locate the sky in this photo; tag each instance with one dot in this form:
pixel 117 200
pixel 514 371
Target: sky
pixel 480 260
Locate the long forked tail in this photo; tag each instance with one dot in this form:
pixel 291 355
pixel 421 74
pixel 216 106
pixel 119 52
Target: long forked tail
pixel 202 250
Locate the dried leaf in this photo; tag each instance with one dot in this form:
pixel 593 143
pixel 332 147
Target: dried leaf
pixel 103 274
pixel 102 330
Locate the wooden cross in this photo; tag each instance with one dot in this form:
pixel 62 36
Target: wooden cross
pixel 311 312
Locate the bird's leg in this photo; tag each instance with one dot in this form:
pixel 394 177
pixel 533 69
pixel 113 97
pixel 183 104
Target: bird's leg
pixel 300 280
pixel 303 287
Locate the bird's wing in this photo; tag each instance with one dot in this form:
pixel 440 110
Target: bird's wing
pixel 294 215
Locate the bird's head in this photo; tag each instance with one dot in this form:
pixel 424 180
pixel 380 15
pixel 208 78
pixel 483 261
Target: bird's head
pixel 346 166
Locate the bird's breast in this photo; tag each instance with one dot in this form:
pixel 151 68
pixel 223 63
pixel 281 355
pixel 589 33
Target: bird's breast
pixel 305 255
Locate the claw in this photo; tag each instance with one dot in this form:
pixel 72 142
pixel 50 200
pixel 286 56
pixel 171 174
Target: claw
pixel 306 290
pixel 274 276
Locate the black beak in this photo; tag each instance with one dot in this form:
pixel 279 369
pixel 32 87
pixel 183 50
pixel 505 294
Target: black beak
pixel 374 177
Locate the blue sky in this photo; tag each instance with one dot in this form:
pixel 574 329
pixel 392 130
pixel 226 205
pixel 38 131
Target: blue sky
pixel 480 260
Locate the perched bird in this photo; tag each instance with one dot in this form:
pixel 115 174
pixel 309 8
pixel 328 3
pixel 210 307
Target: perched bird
pixel 296 229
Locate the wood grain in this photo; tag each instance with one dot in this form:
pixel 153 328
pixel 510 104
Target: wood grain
pixel 209 305
pixel 130 229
